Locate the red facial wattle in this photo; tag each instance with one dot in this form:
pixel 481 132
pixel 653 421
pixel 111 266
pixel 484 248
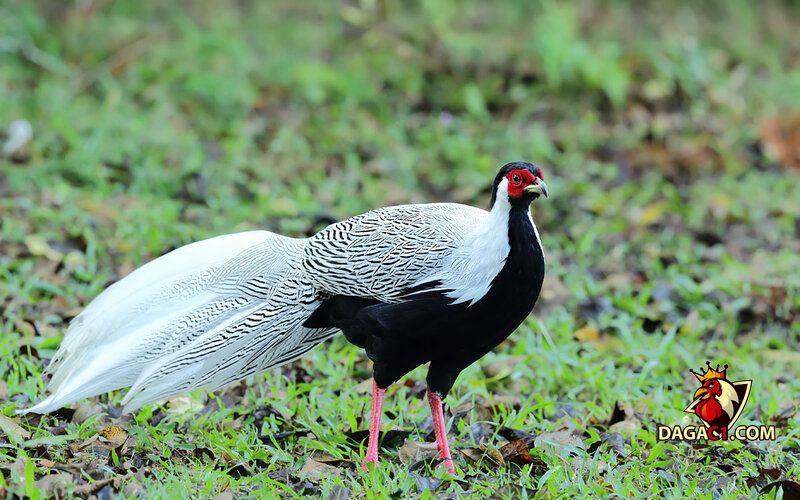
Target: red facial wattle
pixel 518 180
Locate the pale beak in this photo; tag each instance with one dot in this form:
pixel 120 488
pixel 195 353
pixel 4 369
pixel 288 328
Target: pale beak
pixel 702 392
pixel 539 188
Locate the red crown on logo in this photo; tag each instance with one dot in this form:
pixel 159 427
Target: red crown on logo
pixel 710 373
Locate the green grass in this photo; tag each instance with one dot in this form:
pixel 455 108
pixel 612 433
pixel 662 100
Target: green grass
pixel 671 235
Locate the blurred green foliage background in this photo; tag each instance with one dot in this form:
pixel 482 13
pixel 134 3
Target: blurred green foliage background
pixel 669 134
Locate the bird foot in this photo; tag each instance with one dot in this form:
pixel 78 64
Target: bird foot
pixel 447 463
pixel 367 461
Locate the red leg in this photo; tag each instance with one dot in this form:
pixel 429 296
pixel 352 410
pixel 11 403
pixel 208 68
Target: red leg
pixel 441 433
pixel 374 426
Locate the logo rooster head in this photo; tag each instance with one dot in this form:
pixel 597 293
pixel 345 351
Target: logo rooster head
pixel 718 401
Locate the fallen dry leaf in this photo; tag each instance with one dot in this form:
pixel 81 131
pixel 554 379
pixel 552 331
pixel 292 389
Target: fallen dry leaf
pixel 587 334
pixel 615 441
pixel 473 454
pixel 510 434
pixel 591 335
pixel 315 471
pixel 763 475
pixel 780 136
pixel 114 435
pixel 84 412
pixel 790 489
pixel 39 247
pixel 622 410
pixel 565 436
pixel 183 404
pixel 11 428
pixel 54 484
pixel 627 427
pixel 493 453
pixel 334 461
pixel 414 451
pixel 518 452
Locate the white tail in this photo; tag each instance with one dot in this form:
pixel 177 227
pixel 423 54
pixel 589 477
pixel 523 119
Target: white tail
pixel 204 315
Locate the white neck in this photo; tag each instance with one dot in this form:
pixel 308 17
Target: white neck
pixel 480 259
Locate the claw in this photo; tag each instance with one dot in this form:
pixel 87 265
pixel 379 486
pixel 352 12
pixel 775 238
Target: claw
pixel 447 463
pixel 367 461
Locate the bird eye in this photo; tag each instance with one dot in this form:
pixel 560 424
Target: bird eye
pixel 515 179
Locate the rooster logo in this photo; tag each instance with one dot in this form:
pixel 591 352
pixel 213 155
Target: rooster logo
pixel 718 401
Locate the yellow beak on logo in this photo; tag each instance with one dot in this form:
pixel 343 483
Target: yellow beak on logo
pixel 702 392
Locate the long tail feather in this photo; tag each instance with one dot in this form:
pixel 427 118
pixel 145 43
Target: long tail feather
pixel 204 315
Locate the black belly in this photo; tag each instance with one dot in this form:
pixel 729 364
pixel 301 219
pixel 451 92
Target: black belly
pixel 426 327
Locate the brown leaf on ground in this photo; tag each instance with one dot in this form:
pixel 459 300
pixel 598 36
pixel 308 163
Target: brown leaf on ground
pixel 515 434
pixel 780 137
pixel 54 484
pixel 493 453
pixel 566 436
pixel 615 441
pixel 485 451
pixel 764 474
pixel 315 471
pixel 472 454
pixel 334 461
pixel 183 404
pixel 622 411
pixel 627 427
pixel 40 247
pixel 414 451
pixel 84 411
pixel 518 452
pixel 114 435
pixel 11 428
pixel 560 438
pixel 790 489
pixel 591 335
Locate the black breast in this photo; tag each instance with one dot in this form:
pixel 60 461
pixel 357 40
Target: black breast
pixel 427 327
